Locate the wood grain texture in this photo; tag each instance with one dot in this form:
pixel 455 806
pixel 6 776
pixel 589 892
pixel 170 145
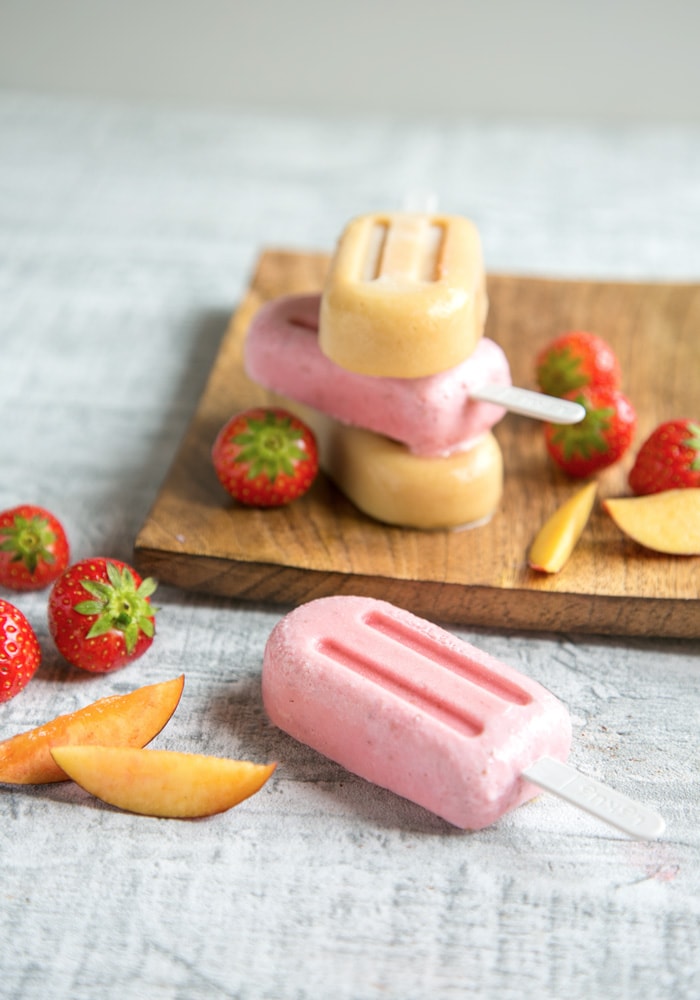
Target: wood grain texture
pixel 196 538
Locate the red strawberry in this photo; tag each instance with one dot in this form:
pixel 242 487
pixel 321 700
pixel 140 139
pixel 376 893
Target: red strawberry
pixel 669 459
pixel 574 360
pixel 100 615
pixel 265 457
pixel 33 548
pixel 600 439
pixel 20 653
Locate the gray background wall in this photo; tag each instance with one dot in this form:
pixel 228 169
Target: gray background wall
pixel 621 61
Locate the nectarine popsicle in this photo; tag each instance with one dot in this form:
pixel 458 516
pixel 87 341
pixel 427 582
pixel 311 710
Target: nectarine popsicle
pixel 407 705
pixel 390 484
pixel 431 415
pixel 405 295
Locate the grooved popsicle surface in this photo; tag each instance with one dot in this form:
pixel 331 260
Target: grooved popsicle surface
pixel 196 538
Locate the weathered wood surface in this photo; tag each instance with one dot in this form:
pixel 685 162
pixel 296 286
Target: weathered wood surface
pixel 126 236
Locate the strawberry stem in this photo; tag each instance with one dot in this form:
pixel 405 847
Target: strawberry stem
pixel 693 442
pixel 269 446
pixel 29 540
pixel 588 436
pixel 119 605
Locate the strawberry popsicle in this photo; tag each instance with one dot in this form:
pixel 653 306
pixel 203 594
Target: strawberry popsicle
pixel 405 295
pixel 401 702
pixel 432 415
pixel 405 704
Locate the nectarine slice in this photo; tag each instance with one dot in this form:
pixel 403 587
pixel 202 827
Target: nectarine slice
pixel 557 538
pixel 162 783
pixel 132 719
pixel 665 522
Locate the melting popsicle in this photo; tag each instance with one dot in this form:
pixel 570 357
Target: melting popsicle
pixel 409 706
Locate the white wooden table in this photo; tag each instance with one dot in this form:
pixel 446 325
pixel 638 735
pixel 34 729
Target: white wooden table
pixel 127 235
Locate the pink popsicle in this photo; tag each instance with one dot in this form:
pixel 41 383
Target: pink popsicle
pixel 432 415
pixel 409 706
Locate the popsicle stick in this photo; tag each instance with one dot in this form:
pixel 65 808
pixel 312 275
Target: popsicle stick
pixel 537 405
pixel 530 404
pixel 594 797
pixel 421 202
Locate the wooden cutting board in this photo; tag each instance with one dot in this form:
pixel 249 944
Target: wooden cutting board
pixel 196 537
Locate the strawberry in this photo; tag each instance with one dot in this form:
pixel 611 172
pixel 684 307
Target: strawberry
pixel 265 457
pixel 100 615
pixel 20 653
pixel 600 439
pixel 669 459
pixel 574 360
pixel 33 548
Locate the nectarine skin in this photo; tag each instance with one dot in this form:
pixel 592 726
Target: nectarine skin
pixel 132 719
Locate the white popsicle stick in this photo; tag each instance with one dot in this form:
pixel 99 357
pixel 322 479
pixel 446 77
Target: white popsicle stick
pixel 421 202
pixel 530 404
pixel 522 401
pixel 594 797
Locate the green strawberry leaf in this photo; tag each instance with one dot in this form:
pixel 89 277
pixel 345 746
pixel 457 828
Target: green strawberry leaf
pixel 89 607
pixel 30 540
pixel 101 626
pixel 693 442
pixel 147 587
pixel 97 588
pixel 146 625
pixel 561 372
pixel 269 446
pixel 586 437
pixel 119 605
pixel 131 636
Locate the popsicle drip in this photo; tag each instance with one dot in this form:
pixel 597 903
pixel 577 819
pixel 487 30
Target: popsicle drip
pixel 451 660
pixel 421 697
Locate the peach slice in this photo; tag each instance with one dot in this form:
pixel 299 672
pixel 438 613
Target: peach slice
pixel 557 538
pixel 132 719
pixel 665 522
pixel 162 783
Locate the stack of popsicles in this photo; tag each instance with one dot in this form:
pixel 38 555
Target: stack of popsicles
pixel 382 364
